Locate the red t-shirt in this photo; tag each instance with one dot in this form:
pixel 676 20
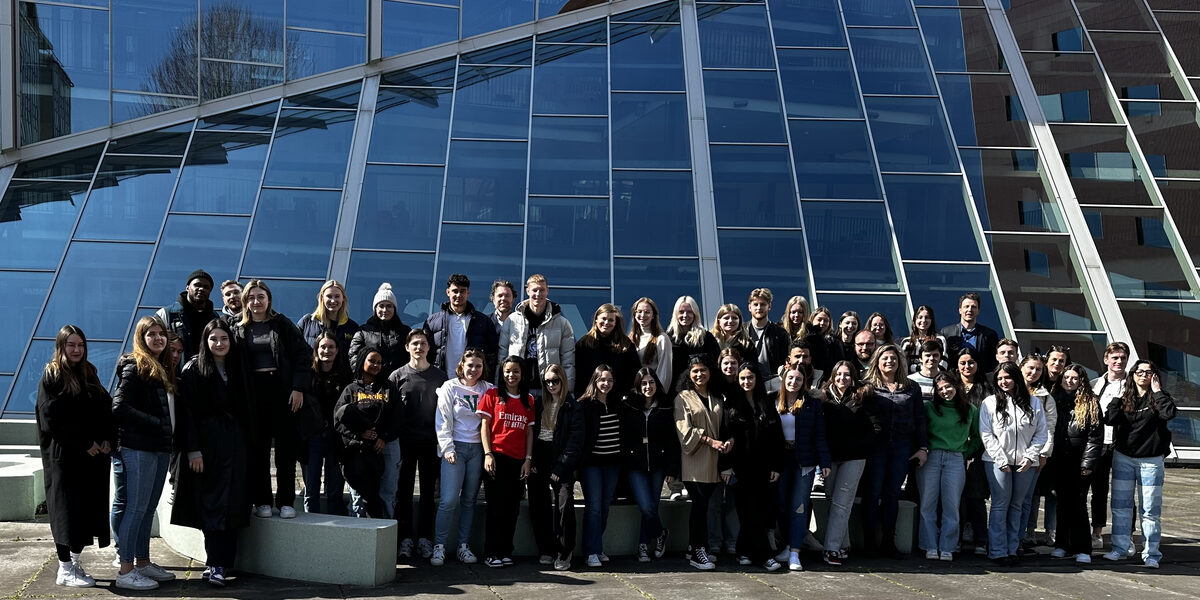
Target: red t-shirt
pixel 509 421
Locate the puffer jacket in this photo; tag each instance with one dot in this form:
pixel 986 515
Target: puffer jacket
pixel 1019 436
pixel 385 336
pixel 1083 443
pixel 344 332
pixel 481 333
pixel 141 410
pixel 555 339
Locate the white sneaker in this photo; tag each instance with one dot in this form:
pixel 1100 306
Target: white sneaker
pixel 931 554
pixel 794 562
pixel 946 556
pixel 465 555
pixel 593 560
pixel 1114 556
pixel 71 574
pixel 1083 559
pixel 545 559
pixel 643 553
pixel 155 572
pixel 424 548
pixel 133 580
pixel 438 558
pixel 287 512
pixel 406 548
pixel 1151 563
pixel 263 511
pixel 1058 553
pixel 117 561
pixel 699 559
pixel 562 563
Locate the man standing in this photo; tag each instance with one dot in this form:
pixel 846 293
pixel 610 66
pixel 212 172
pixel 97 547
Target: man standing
pixel 231 295
pixel 968 332
pixel 188 315
pixel 864 347
pixel 769 340
pixel 503 294
pixel 1007 351
pixel 538 332
pixel 458 326
pixel 931 364
pixel 1107 386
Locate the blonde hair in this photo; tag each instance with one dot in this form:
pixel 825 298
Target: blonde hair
pixel 793 331
pixel 875 378
pixel 149 365
pixel 694 336
pixel 320 315
pixel 716 327
pixel 250 285
pixel 781 403
pixel 620 342
pixel 763 294
pixel 536 278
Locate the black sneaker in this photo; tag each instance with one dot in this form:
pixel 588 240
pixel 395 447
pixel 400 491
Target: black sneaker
pixel 698 558
pixel 660 544
pixel 493 562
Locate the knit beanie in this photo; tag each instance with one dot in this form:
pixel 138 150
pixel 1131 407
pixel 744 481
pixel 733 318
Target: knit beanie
pixel 384 294
pixel 199 274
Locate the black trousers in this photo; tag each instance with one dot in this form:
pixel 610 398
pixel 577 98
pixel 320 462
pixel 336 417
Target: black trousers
pixel 221 547
pixel 414 457
pixel 1073 533
pixel 1101 477
pixel 699 494
pixel 363 469
pixel 751 495
pixel 64 551
pixel 544 512
pixel 504 490
pixel 277 426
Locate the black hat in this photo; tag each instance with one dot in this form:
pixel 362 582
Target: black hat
pixel 199 274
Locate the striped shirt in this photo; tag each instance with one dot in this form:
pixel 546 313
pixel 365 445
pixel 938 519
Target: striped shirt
pixel 608 441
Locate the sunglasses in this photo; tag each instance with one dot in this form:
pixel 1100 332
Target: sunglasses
pixel 553 381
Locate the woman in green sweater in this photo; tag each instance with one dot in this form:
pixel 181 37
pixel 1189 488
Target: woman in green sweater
pixel 953 436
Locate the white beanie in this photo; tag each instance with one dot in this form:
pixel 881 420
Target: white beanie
pixel 384 293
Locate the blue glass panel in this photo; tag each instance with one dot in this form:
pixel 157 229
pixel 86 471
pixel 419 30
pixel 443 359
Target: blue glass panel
pixel 743 106
pixel 579 306
pixel 833 159
pixel 399 208
pixel 409 274
pixel 98 305
pixel 570 80
pixel 411 126
pixel 642 199
pixel 569 240
pixel 219 79
pixel 984 110
pixel 242 30
pixel 891 61
pixel 1136 246
pixel 819 83
pixel 752 186
pixel 343 96
pixel 516 53
pixel 408 27
pixel 1035 300
pixel 851 246
pixel 137 316
pixel 163 62
pixel 192 242
pixel 486 182
pixel 25 388
pixel 75 165
pixel 348 15
pixel 167 141
pixel 911 135
pixel 438 74
pixel 878 12
pixel 129 199
pixel 23 298
pixel 492 103
pixel 734 36
pixel 6 382
pixel 312 52
pixel 292 234
pixel 930 213
pixel 569 155
pixel 894 307
pixel 481 252
pixel 666 11
pixel 960 40
pixel 743 267
pixel 36 218
pixel 482 16
pixel 310 148
pixel 256 118
pixel 661 280
pixel 132 106
pixel 292 298
pixel 646 57
pixel 997 177
pixel 595 32
pixel 549 8
pixel 806 23
pixel 650 131
pixel 64 70
pixel 221 173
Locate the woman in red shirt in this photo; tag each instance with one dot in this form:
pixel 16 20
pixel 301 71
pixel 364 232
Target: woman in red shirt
pixel 507 432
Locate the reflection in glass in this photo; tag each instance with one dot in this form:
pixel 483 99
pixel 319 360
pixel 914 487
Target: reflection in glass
pixel 752 187
pixel 256 118
pixel 568 155
pixel 64 70
pixel 492 103
pixel 878 12
pixel 666 11
pixel 36 218
pixel 984 110
pixel 1180 197
pixel 342 96
pixel 349 16
pixel 242 30
pixel 579 305
pixel 1138 252
pixel 1046 25
pixel 891 61
pixel 1086 348
pixel 893 306
pixel 486 182
pixel 941 286
pixel 570 80
pixel 910 135
pixel 166 141
pixel 960 40
pixel 411 126
pixel 646 57
pixel 132 106
pixel 219 79
pixel 483 253
pixel 661 280
pixel 98 305
pixel 399 208
pixel 292 298
pixel 191 242
pixel 743 267
pixel 931 218
pixel 75 165
pixel 806 23
pixel 23 297
pixel 1100 14
pixel 1070 87
pixel 850 245
pixel 436 74
pixel 1010 191
pixel 1169 137
pixel 734 36
pixel 654 214
pixel 833 159
pixel 1180 31
pixel 568 240
pixel 1164 332
pixel 516 53
pixel 482 16
pixel 163 62
pixel 408 273
pixel 310 148
pixel 128 199
pixel 25 387
pixel 549 8
pixel 1137 65
pixel 818 83
pixel 743 106
pixel 313 52
pixel 292 234
pixel 1040 279
pixel 594 32
pixel 650 131
pixel 221 173
pixel 1101 168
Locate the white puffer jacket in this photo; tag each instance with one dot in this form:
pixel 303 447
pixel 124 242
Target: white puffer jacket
pixel 1019 436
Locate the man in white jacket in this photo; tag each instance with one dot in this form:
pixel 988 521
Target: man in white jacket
pixel 537 331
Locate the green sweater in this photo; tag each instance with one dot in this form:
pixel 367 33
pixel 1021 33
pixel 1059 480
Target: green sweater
pixel 947 432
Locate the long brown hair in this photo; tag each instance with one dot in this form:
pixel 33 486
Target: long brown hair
pixel 635 330
pixel 1087 406
pixel 150 366
pixel 620 342
pixel 1130 397
pixel 73 379
pixel 854 392
pixel 325 335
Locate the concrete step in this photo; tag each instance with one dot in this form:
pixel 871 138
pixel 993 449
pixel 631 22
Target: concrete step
pixel 34 451
pixel 21 486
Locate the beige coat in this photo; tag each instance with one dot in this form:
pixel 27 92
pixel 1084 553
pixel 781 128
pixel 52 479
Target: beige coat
pixel 693 420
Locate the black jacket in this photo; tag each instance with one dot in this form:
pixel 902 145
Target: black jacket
pixel 591 411
pixel 986 344
pixel 327 388
pixel 850 431
pixel 140 410
pixel 385 336
pixel 568 443
pixel 777 341
pixel 591 353
pixel 826 351
pixel 1082 445
pixel 363 407
pixel 1143 432
pixel 188 322
pixel 481 333
pixel 649 442
pixel 681 352
pixel 293 356
pixel 757 438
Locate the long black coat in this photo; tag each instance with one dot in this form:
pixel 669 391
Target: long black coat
pixel 213 418
pixel 76 484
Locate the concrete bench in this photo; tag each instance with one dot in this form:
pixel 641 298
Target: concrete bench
pixel 22 487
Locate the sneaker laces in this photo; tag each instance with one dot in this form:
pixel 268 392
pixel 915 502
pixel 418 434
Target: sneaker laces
pixel 700 555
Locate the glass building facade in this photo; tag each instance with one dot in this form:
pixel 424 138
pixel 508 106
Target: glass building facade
pixel 870 155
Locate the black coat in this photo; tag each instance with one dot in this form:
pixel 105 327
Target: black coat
pixel 591 353
pixel 649 442
pixel 213 419
pixel 141 411
pixel 590 411
pixel 76 484
pixel 363 407
pixel 758 444
pixel 567 446
pixel 481 333
pixel 826 351
pixel 850 431
pixel 986 344
pixel 777 340
pixel 293 355
pixel 681 353
pixel 1079 445
pixel 385 336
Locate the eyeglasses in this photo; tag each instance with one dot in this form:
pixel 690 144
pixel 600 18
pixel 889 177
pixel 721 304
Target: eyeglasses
pixel 1143 372
pixel 553 381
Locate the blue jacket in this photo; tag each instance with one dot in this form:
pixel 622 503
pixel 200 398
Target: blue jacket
pixel 811 448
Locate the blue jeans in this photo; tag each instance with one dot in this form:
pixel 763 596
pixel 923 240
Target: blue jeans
pixel 1005 523
pixel 647 490
pixel 599 486
pixel 801 508
pixel 460 488
pixel 841 487
pixel 1146 475
pixel 390 481
pixel 322 458
pixel 887 466
pixel 145 474
pixel 941 478
pixel 119 493
pixel 1028 508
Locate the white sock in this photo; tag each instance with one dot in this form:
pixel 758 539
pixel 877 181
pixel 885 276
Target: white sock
pixel 75 557
pixel 65 565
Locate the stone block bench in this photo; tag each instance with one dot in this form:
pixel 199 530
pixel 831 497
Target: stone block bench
pixel 22 487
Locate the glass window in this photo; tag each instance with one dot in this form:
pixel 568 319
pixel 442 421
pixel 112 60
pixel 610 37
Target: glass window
pixel 878 12
pixel 1137 250
pixel 312 52
pixel 1070 87
pixel 167 141
pixel 1046 25
pixel 1137 65
pixel 646 58
pixel 310 148
pixel 221 173
pixel 1086 349
pixel 893 306
pixel 486 182
pixel 1100 165
pixel 850 245
pixel 549 8
pixel 819 83
pixel 666 11
pixel 64 70
pixel 399 208
pixel 437 74
pixel 734 36
pixel 833 159
pixel 257 118
pixel 482 16
pixel 411 126
pixel 131 106
pixel 6 382
pixel 891 61
pixel 940 287
pixel 129 198
pixel 25 387
pixel 1060 301
pixel 960 40
pixel 752 187
pixel 743 106
pixel 745 266
pixel 930 214
pixel 984 110
pixel 37 219
pixel 242 30
pixel 408 27
pixel 595 32
pixel 650 131
pixel 663 201
pixel 570 80
pixel 1169 138
pixel 1010 191
pixel 481 252
pixel 409 274
pixel 191 242
pixel 579 306
pixel 342 96
pixel 349 16
pixel 1180 31
pixel 568 240
pixel 1098 14
pixel 661 280
pixel 219 79
pixel 1180 198
pixel 1164 334
pixel 911 135
pixel 75 165
pixel 492 103
pixel 98 305
pixel 291 298
pixel 292 234
pixel 22 300
pixel 806 23
pixel 569 155
pixel 163 62
pixel 516 53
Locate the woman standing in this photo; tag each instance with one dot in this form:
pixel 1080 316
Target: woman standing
pixel 144 410
pixel 558 443
pixel 653 346
pixel 1141 439
pixel 1013 429
pixel 795 315
pixel 384 331
pixel 363 416
pixel 76 435
pixel 214 421
pixel 507 435
pixel 1080 440
pixel 461 448
pixel 417 384
pixel 699 412
pixel 811 452
pixel 688 338
pixel 924 329
pixel 823 345
pixel 332 315
pixel 756 460
pixel 953 436
pixel 1057 359
pixel 975 492
pixel 651 451
pixel 728 331
pixel 852 427
pixel 330 377
pixel 606 344
pixel 879 326
pixel 600 465
pixel 1033 371
pixel 847 327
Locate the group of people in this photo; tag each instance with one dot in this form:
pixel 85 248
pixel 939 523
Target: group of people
pixel 749 412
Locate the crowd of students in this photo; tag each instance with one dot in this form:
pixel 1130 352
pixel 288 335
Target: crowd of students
pixel 749 413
